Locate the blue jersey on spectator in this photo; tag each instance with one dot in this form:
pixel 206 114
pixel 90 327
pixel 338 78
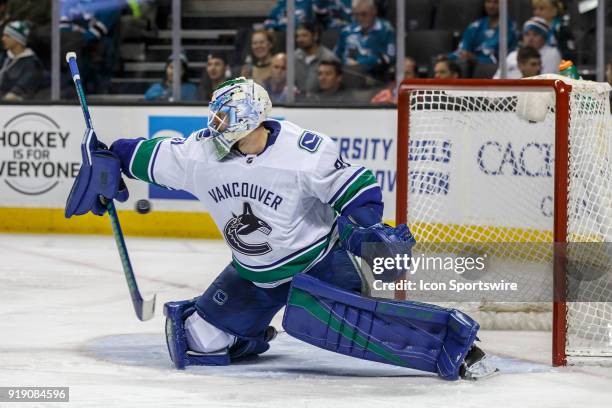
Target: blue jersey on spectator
pixel 561 36
pixel 160 92
pixel 370 49
pixel 277 19
pixel 94 19
pixel 335 14
pixel 551 38
pixel 483 41
pixel 95 22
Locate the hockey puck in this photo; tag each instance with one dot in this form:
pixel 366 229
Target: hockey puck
pixel 143 206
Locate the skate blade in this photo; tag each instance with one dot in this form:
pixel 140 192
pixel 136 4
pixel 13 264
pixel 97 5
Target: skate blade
pixel 482 376
pixel 480 370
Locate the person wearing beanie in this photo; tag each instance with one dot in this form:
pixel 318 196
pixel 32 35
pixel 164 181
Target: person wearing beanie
pixel 560 34
pixel 21 71
pixel 535 33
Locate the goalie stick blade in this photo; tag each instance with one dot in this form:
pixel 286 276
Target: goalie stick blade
pixel 146 309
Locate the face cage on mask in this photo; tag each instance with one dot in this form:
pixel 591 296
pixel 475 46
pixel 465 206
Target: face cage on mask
pixel 227 129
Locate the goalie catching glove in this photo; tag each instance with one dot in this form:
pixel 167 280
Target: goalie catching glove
pixel 99 179
pixel 376 241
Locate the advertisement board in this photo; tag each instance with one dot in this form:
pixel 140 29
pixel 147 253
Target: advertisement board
pixel 40 156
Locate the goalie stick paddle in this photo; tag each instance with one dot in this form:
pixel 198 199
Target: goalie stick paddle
pixel 145 309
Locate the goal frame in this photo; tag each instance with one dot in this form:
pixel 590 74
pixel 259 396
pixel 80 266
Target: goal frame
pixel 562 92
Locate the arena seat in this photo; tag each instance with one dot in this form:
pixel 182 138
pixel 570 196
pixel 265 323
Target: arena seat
pixel 457 15
pixel 424 45
pixel 482 70
pixel 419 14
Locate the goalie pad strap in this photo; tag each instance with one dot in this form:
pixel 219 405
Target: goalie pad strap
pixel 409 334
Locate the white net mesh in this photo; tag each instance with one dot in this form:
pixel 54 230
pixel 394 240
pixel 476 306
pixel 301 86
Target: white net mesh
pixel 481 168
pixel 589 324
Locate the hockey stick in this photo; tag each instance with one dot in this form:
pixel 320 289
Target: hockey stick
pixel 145 309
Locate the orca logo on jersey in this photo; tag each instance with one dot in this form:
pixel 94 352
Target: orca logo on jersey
pixel 245 224
pixel 341 164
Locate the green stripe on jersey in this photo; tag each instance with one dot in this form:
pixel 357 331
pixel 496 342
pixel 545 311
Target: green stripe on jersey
pixel 291 267
pixel 142 159
pixel 365 179
pixel 306 301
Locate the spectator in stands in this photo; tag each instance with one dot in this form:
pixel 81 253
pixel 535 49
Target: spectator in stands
pixel 162 91
pixel 529 62
pixel 213 76
pixel 276 85
pixel 388 95
pixel 38 14
pixel 330 88
pixel 20 69
pixel 480 41
pixel 410 68
pixel 91 29
pixel 560 34
pixel 277 19
pixel 333 14
pixel 257 65
pixel 308 54
pixel 535 31
pixel 368 44
pixel 445 68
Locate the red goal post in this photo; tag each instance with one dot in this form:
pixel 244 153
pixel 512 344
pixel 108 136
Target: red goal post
pixel 454 98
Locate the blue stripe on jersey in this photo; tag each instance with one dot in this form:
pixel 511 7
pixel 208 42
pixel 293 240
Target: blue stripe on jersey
pixel 124 148
pixel 346 183
pixel 153 163
pixel 371 197
pixel 294 254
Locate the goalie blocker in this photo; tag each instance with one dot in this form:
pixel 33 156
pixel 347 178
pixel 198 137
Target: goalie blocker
pixel 99 178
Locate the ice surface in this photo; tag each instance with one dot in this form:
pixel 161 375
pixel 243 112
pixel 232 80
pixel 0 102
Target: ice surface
pixel 67 320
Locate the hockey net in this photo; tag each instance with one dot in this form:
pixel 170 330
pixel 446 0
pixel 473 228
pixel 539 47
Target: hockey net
pixel 507 168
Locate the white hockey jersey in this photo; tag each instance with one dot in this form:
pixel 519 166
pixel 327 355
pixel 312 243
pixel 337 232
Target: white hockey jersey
pixel 276 210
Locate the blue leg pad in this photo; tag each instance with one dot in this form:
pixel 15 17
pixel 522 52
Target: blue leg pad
pixel 176 313
pixel 408 334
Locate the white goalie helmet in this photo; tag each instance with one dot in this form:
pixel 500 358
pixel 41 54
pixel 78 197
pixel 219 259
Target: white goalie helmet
pixel 237 108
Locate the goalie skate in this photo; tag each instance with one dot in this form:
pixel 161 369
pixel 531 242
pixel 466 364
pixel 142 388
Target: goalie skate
pixel 477 366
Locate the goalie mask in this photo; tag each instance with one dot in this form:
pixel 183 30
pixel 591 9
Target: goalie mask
pixel 237 108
